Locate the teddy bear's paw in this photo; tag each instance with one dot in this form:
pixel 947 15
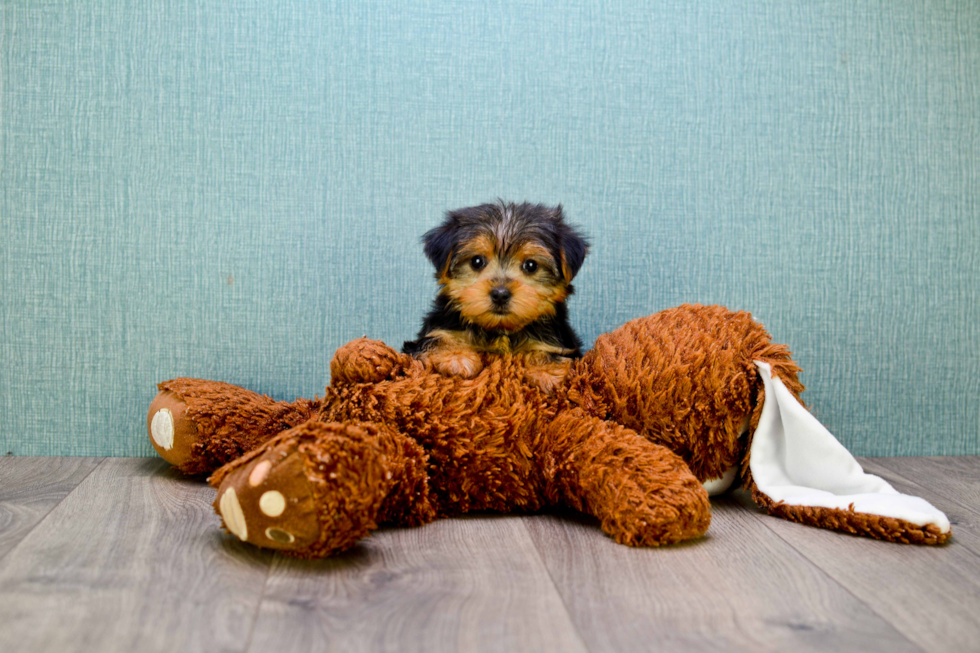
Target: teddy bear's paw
pixel 172 433
pixel 656 523
pixel 268 501
pixel 365 361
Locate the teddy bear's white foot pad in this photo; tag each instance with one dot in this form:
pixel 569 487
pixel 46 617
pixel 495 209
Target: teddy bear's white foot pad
pixel 162 428
pixel 232 513
pixel 796 461
pixel 720 485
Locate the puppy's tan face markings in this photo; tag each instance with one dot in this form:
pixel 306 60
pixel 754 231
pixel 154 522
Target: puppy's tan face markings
pixel 488 262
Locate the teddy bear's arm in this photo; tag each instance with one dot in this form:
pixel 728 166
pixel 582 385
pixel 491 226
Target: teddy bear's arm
pixel 198 425
pixel 368 361
pixel 643 493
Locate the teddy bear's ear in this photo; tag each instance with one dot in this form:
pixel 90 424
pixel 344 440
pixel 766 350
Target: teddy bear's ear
pixel 572 246
pixel 802 473
pixel 439 243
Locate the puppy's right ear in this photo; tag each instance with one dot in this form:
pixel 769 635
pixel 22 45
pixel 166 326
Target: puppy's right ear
pixel 439 244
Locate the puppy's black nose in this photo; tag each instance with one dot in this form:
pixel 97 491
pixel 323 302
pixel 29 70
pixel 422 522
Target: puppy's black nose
pixel 500 295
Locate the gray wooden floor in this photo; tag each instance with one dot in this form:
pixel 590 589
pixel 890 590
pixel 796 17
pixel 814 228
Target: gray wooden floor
pixel 122 554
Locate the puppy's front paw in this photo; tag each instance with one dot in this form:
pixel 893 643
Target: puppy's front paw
pixel 466 364
pixel 547 375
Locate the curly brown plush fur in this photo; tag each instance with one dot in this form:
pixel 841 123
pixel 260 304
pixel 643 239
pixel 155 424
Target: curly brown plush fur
pixel 655 408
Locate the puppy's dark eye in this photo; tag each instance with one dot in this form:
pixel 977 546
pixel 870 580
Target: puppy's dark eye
pixel 478 262
pixel 529 267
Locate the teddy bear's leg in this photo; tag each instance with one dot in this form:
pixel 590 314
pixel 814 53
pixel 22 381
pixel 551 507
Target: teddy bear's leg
pixel 643 493
pixel 322 486
pixel 799 471
pixel 197 425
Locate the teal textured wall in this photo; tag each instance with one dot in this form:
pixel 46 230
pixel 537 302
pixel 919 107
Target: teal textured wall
pixel 231 190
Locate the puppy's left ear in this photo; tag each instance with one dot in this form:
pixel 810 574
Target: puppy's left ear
pixel 572 245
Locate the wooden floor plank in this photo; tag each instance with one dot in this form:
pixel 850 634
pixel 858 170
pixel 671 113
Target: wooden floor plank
pixel 937 483
pixel 738 589
pixel 957 478
pixel 30 488
pixel 132 560
pixel 467 584
pixel 930 594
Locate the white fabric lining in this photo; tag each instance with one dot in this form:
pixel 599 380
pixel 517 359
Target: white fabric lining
pixel 796 460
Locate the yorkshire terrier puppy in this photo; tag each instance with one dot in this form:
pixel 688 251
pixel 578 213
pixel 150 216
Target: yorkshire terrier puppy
pixel 504 271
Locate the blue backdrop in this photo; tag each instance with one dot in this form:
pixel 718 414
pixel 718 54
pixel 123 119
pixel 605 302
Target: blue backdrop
pixel 231 190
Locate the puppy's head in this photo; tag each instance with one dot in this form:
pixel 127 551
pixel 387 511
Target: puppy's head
pixel 504 266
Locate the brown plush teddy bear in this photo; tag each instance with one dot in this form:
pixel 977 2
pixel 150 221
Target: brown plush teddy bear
pixel 658 414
